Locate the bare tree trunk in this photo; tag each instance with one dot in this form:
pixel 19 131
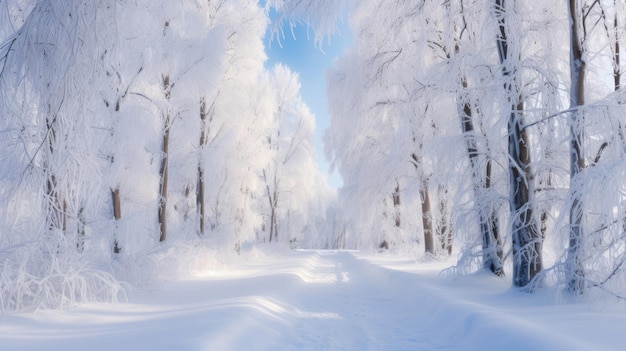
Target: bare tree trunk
pixel 164 168
pixel 488 218
pixel 545 184
pixel 272 197
pixel 200 188
pixel 527 239
pixel 57 207
pixel 117 215
pixel 200 200
pixel 396 205
pixel 117 204
pixel 617 72
pixel 80 230
pixel 274 209
pixel 272 223
pixel 578 66
pixel 492 223
pixel 545 213
pixel 56 216
pixel 115 198
pixel 115 191
pixel 492 252
pixel 427 222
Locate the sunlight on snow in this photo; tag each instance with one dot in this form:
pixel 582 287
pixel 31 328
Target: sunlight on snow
pixel 317 315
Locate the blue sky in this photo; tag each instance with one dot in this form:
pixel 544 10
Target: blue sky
pixel 311 63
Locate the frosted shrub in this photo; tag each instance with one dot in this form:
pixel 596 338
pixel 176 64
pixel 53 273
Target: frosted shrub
pixel 31 279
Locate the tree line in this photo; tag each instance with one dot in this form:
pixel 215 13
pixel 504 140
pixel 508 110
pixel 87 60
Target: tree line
pixel 494 126
pixel 128 125
pixel 494 130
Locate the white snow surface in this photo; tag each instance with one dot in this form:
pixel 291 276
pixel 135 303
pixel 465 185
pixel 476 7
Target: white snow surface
pixel 325 300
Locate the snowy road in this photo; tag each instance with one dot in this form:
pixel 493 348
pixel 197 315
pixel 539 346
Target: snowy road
pixel 316 300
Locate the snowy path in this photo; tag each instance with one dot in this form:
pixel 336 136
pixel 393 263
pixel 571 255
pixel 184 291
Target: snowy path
pixel 322 301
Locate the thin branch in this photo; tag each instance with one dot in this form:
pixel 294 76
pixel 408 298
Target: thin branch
pixel 599 154
pixel 9 45
pixel 548 117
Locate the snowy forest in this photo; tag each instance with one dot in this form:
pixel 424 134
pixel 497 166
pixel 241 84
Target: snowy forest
pixel 141 137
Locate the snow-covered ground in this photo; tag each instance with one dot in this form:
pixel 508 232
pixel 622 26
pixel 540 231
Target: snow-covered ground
pixel 325 300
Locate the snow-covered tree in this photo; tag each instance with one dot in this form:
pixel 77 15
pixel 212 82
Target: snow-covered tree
pixel 46 80
pixel 158 109
pixel 507 84
pixel 290 177
pixel 526 236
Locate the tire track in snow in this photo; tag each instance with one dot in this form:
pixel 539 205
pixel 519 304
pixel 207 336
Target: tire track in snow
pixel 397 310
pixel 361 308
pixel 369 307
pixel 307 300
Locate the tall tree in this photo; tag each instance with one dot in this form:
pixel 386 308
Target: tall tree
pixel 115 90
pixel 481 170
pixel 289 144
pixel 47 81
pixel 527 239
pixel 492 255
pixel 578 70
pixel 200 203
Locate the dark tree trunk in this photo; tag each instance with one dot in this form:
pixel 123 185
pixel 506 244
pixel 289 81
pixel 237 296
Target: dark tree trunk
pixel 492 252
pixel 617 72
pixel 272 223
pixel 527 239
pixel 274 209
pixel 272 198
pixel 200 188
pixel 488 218
pixel 117 215
pixel 56 216
pixel 427 222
